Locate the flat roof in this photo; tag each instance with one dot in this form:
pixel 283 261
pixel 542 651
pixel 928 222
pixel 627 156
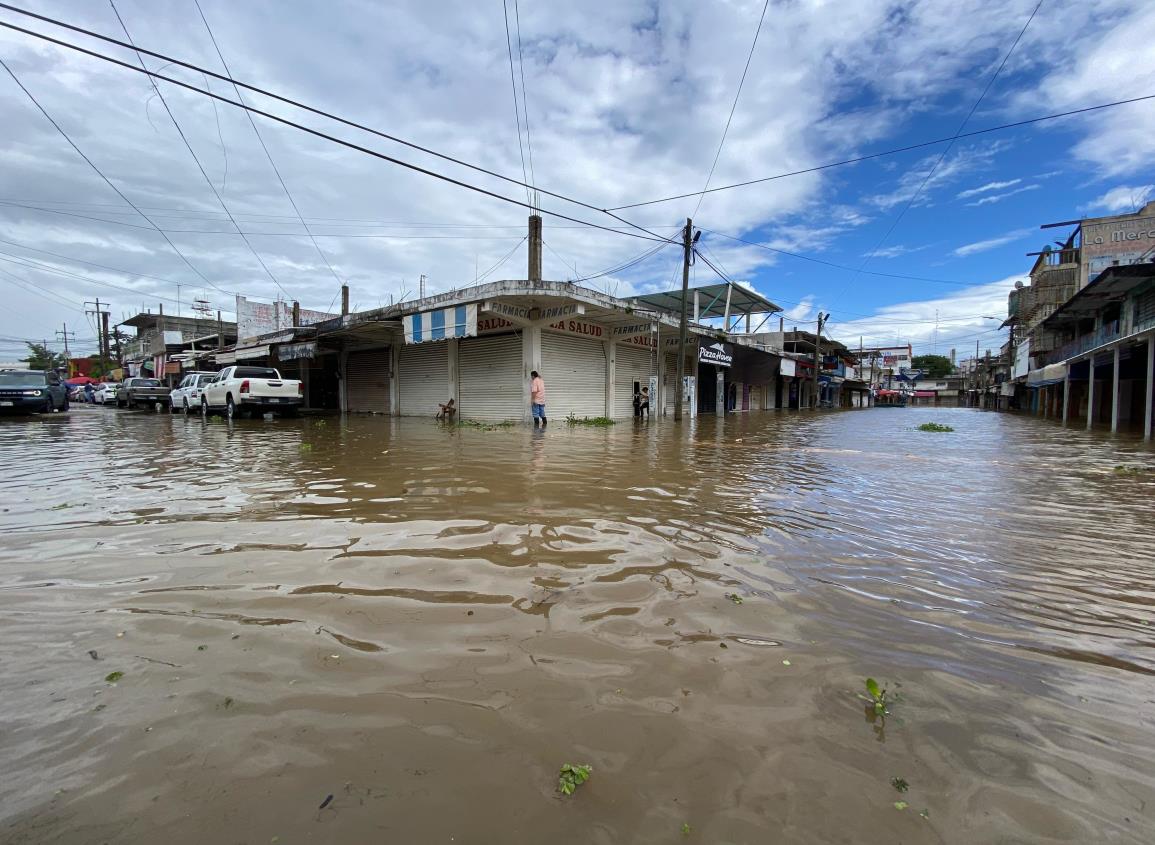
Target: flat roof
pixel 712 300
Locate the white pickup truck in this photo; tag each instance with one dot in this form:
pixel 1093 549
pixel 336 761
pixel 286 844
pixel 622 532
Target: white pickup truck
pixel 236 390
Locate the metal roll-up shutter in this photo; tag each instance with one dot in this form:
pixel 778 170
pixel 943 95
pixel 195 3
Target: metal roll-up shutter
pixel 422 378
pixel 574 372
pixel 367 381
pixel 492 379
pixel 631 364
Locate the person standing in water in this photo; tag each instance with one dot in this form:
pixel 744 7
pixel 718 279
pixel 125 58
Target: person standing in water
pixel 537 398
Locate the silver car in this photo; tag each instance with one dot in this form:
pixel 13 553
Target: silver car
pixel 186 396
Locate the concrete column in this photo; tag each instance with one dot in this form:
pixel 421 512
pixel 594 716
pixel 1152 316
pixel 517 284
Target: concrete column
pixel 1066 393
pixel 1115 393
pixel 747 324
pixel 454 370
pixel 1091 393
pixel 531 359
pixel 720 394
pixel 343 372
pixel 697 306
pixel 1044 398
pixel 394 377
pixel 659 402
pixel 1150 386
pixel 726 317
pixel 611 353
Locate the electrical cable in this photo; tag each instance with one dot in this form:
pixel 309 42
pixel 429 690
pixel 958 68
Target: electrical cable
pixel 524 98
pixel 508 255
pixel 196 159
pixel 1016 124
pixel 261 140
pixel 516 113
pixel 810 258
pixel 950 145
pixel 317 133
pixel 286 100
pixel 733 108
pixel 100 173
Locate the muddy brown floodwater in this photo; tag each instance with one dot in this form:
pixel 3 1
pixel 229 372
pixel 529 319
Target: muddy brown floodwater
pixel 425 623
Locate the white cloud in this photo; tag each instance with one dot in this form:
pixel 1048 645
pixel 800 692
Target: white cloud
pixel 955 320
pixel 991 243
pixel 802 310
pixel 894 251
pixel 1121 199
pixel 993 198
pixel 989 186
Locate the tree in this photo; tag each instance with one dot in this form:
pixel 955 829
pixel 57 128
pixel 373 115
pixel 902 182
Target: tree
pixel 933 366
pixel 40 357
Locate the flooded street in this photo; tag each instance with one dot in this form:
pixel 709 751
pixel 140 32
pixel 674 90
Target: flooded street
pixel 426 622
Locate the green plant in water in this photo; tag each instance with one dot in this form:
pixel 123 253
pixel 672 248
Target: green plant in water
pixel 1123 469
pixel 571 777
pixel 900 805
pixel 686 828
pixel 596 421
pixel 734 597
pixel 933 426
pixel 113 677
pixel 900 784
pixel 306 447
pixel 484 426
pixel 877 698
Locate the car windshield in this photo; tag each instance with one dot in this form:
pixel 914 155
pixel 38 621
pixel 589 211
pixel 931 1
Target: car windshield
pixel 255 372
pixel 146 382
pixel 21 377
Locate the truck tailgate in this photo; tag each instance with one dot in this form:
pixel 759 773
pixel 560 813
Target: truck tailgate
pixel 273 388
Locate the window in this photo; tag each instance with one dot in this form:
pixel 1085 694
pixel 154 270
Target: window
pixel 255 372
pixel 145 382
pixel 20 378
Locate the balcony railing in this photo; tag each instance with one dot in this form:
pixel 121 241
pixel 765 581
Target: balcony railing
pixel 1106 334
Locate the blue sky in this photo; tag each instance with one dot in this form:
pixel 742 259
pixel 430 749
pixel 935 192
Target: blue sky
pixel 626 103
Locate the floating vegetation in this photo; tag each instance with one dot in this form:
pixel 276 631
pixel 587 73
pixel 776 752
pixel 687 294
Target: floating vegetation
pixel 900 784
pixel 933 426
pixel 594 421
pixel 571 777
pixel 113 677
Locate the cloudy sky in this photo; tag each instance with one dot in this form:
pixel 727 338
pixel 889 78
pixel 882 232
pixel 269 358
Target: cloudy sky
pixel 626 102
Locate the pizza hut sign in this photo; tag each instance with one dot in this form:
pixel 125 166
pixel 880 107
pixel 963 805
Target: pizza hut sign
pixel 715 353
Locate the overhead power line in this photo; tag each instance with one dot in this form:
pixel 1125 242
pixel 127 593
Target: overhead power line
pixel 317 133
pixel 950 145
pixel 261 140
pixel 197 160
pixel 733 107
pixel 100 173
pixel 287 101
pixel 516 111
pixel 814 260
pixel 524 96
pixel 884 153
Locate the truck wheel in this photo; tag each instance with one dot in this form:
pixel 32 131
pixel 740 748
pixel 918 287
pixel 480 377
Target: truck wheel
pixel 204 409
pixel 49 406
pixel 186 410
pixel 65 406
pixel 231 409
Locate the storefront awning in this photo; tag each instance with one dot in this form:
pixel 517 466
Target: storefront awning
pixel 1052 374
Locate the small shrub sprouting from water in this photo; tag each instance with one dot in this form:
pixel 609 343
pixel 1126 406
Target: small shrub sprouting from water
pixel 597 421
pixel 900 784
pixel 1124 469
pixel 876 697
pixel 571 777
pixel 933 426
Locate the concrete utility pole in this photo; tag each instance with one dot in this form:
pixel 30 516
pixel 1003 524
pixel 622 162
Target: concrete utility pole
pixel 818 353
pixel 344 300
pixel 64 335
pixel 534 248
pixel 99 310
pixel 687 246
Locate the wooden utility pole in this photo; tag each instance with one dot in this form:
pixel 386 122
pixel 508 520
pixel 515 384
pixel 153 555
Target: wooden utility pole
pixel 818 354
pixel 687 246
pixel 101 331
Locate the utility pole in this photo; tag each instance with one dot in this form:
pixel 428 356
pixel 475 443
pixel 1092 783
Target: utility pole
pixel 64 335
pixel 822 318
pixel 687 247
pixel 100 311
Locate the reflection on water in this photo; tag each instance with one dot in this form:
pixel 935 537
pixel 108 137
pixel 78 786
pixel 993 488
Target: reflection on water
pixel 426 622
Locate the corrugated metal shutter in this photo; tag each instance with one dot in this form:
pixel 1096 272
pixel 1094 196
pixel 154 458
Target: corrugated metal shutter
pixel 492 379
pixel 423 378
pixel 631 363
pixel 367 381
pixel 574 372
pixel 671 377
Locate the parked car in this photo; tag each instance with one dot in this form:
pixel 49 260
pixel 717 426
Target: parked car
pixel 106 393
pixel 236 390
pixel 32 391
pixel 186 396
pixel 141 392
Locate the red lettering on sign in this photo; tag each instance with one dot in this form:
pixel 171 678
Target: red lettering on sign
pixel 489 324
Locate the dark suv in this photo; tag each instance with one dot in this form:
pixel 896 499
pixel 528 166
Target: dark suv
pixel 30 391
